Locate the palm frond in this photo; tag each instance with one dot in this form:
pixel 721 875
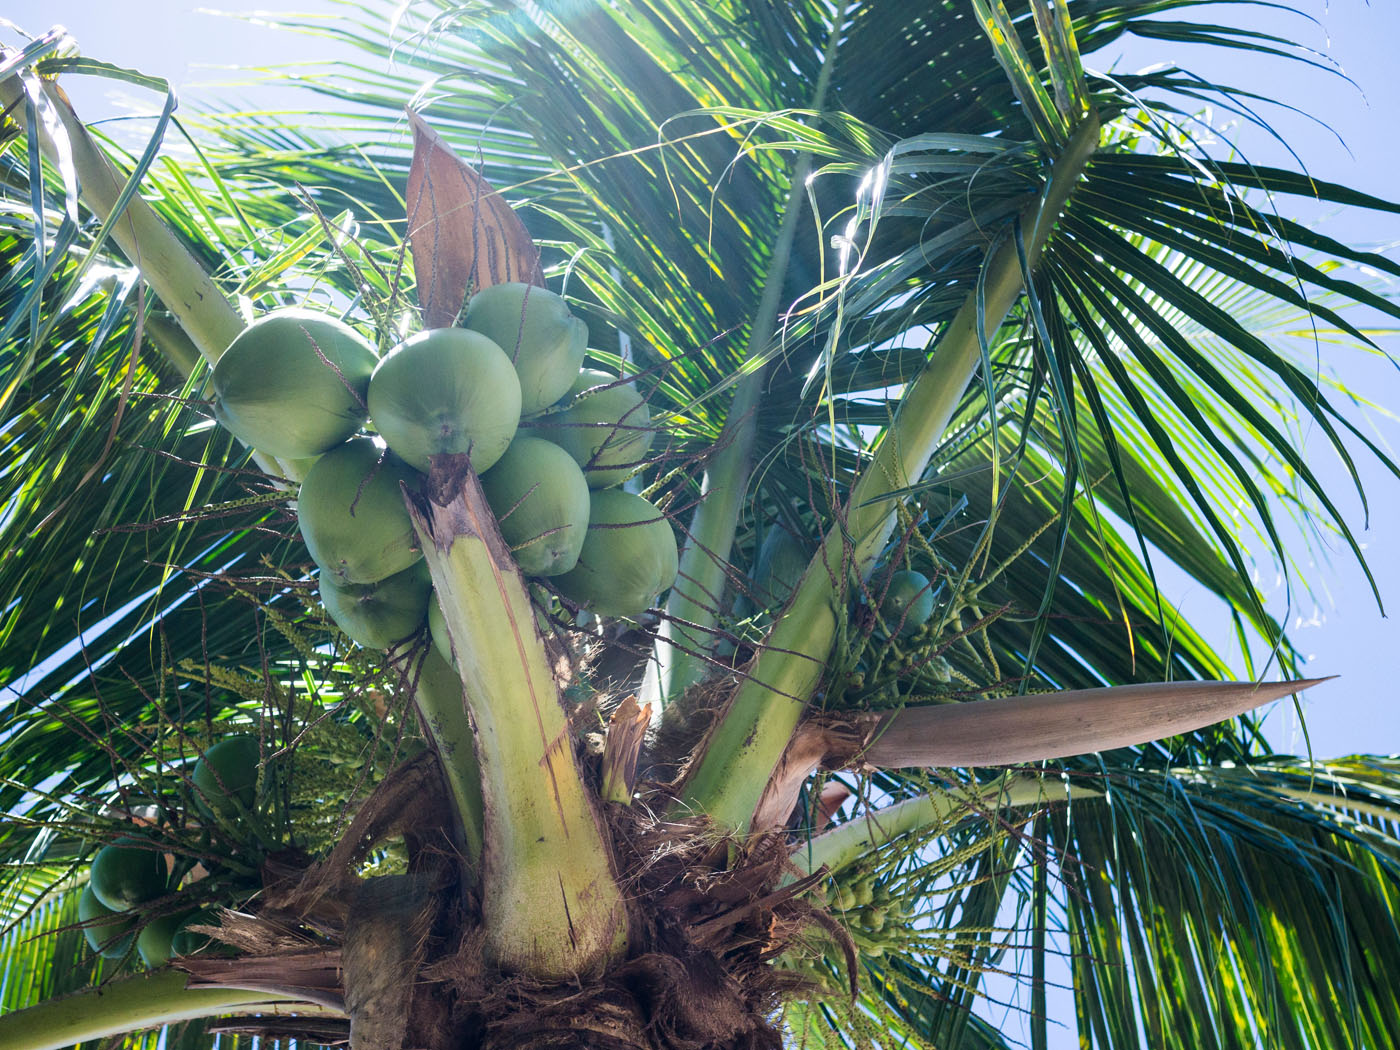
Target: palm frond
pixel 1241 911
pixel 45 952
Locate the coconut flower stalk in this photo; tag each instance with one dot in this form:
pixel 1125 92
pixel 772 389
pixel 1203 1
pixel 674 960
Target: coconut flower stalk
pixel 550 904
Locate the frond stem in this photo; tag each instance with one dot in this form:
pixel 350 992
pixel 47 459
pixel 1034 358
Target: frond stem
pixel 676 658
pixel 176 276
pixel 132 1004
pixel 845 845
pixel 746 744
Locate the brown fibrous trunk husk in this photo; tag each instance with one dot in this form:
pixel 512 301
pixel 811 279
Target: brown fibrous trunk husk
pixel 707 922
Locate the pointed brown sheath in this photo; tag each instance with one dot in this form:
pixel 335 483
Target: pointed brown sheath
pixel 463 234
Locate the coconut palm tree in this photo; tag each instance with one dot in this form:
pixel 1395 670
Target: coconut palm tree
pixel 948 345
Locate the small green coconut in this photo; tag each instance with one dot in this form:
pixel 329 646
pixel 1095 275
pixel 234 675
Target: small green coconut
pixel 108 932
pixel 540 498
pixel 446 390
pixel 908 602
pixel 604 424
pixel 227 771
pixel 629 556
pixel 293 384
pixel 352 514
pixel 187 942
pixel 153 943
pixel 782 560
pixel 127 874
pixel 539 335
pixel 377 615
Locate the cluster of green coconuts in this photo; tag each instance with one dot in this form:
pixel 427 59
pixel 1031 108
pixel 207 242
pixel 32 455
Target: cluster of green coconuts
pixel 298 385
pixel 905 597
pixel 128 875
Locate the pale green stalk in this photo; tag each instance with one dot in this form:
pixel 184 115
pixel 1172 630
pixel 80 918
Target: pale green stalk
pixel 132 1004
pixel 171 340
pixel 443 710
pixel 745 746
pixel 173 273
pixel 843 846
pixel 550 905
pixel 678 655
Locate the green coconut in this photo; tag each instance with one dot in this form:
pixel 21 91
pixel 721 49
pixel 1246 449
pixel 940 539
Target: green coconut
pixel 603 424
pixel 629 556
pixel 352 514
pixel 127 874
pixel 154 942
pixel 227 771
pixel 108 932
pixel 376 615
pixel 782 560
pixel 446 390
pixel 908 602
pixel 540 498
pixel 535 329
pixel 293 384
pixel 185 941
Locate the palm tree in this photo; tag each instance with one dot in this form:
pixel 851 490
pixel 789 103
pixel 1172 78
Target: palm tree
pixel 908 290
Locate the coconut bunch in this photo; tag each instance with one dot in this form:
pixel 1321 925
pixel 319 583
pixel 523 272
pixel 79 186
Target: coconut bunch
pixel 131 899
pixel 549 439
pixel 900 622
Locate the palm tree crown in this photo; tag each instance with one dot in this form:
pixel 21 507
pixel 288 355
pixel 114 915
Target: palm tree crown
pixel 947 345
